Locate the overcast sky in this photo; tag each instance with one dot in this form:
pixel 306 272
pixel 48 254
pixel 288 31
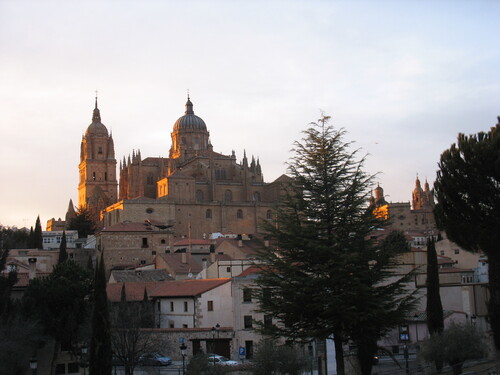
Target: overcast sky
pixel 402 77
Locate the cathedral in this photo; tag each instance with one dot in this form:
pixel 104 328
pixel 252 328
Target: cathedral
pixel 195 190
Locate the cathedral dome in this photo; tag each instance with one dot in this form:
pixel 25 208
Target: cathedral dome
pixel 97 127
pixel 189 121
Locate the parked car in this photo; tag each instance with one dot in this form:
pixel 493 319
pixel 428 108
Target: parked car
pixel 155 359
pixel 215 359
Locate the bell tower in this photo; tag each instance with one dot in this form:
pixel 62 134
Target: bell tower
pixel 98 185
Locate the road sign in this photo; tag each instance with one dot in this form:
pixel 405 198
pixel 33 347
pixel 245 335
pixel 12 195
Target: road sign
pixel 242 351
pixel 181 340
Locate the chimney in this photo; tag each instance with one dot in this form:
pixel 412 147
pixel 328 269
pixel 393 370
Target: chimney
pixel 32 268
pixel 240 243
pixel 212 257
pixel 183 257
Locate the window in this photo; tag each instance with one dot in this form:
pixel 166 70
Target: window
pixel 256 196
pixel 162 241
pixel 105 176
pixel 73 368
pixel 171 325
pixel 228 196
pixel 210 305
pixel 442 252
pixel 208 214
pixel 457 251
pixel 199 196
pixel 61 368
pixel 247 321
pixel 153 252
pixel 99 150
pixel 228 269
pixel 268 321
pixel 185 306
pixel 93 176
pixel 172 306
pixel 249 349
pixel 145 242
pixel 247 295
pixel 269 215
pixel 184 326
pixel 239 214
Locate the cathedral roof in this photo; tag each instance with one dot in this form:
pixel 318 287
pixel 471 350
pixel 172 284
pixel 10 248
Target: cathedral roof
pixel 189 121
pixel 96 127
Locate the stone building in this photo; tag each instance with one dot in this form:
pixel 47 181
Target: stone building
pixel 197 190
pixel 97 188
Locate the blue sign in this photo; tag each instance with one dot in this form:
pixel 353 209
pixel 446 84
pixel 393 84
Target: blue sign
pixel 181 340
pixel 242 351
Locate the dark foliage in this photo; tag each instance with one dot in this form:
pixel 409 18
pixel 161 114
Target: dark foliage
pixel 100 342
pixel 468 201
pixel 434 307
pixel 83 222
pixel 326 275
pixel 63 253
pixel 37 235
pixel 13 238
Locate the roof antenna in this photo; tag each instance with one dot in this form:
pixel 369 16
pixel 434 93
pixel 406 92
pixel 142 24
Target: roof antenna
pixel 188 93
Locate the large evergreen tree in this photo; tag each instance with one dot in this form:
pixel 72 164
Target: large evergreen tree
pixel 468 204
pixel 83 222
pixel 325 275
pixel 100 342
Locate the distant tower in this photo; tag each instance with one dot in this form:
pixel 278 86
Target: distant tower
pixel 98 186
pixel 422 198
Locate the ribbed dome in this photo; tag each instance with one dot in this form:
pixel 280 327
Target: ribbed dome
pixel 189 121
pixel 97 127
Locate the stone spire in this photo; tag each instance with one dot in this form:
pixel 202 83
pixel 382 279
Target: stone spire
pixel 96 117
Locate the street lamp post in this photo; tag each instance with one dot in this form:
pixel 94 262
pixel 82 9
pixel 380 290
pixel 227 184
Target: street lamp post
pixel 183 348
pixel 33 365
pixel 83 357
pixel 214 330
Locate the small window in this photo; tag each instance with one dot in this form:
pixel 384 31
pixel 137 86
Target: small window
pixel 185 306
pixel 162 241
pixel 153 252
pixel 228 196
pixel 247 321
pixel 268 321
pixel 99 150
pixel 93 176
pixel 184 326
pixel 199 196
pixel 208 214
pixel 239 214
pixel 171 306
pixel 228 269
pixel 105 176
pixel 442 252
pixel 171 325
pixel 247 295
pixel 256 196
pixel 145 242
pixel 210 305
pixel 143 262
pixel 457 251
pixel 269 215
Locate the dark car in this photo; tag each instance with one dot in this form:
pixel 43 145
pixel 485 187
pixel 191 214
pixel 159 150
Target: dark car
pixel 155 359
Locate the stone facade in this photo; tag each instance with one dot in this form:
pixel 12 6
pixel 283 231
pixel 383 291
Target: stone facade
pixel 196 189
pixel 97 188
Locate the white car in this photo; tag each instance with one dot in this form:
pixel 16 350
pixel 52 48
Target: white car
pixel 215 359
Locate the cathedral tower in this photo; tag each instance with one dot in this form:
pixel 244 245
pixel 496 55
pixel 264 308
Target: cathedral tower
pixel 97 188
pixel 189 137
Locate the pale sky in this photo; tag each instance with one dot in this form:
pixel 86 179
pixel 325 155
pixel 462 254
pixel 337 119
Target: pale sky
pixel 402 77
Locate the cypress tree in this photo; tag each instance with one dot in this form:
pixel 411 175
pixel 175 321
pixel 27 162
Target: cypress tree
pixel 31 240
pixel 434 308
pixel 100 342
pixel 37 235
pixel 63 254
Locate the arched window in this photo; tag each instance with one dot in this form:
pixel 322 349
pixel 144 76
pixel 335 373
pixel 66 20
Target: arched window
pixel 269 215
pixel 208 214
pixel 239 214
pixel 228 196
pixel 256 196
pixel 199 196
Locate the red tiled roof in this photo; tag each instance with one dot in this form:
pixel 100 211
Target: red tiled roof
pixel 249 271
pixel 175 261
pixel 185 288
pixel 134 291
pixel 193 241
